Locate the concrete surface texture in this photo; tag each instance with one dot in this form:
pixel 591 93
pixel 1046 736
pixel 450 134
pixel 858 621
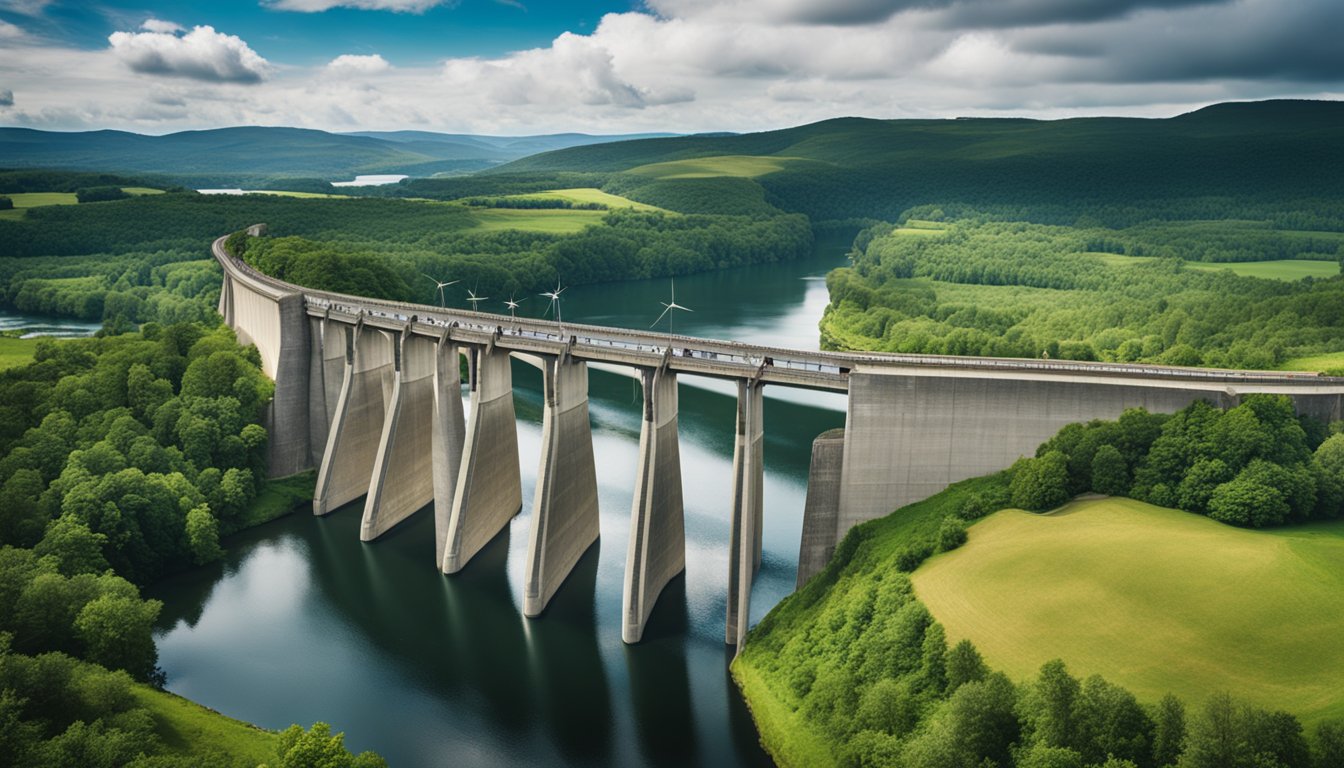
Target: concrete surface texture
pixel 822 506
pixel 657 549
pixel 447 438
pixel 564 508
pixel 357 426
pixel 744 546
pixel 489 491
pixel 403 471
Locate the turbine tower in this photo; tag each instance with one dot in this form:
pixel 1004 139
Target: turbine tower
pixel 475 300
pixel 513 308
pixel 554 296
pixel 668 306
pixel 441 285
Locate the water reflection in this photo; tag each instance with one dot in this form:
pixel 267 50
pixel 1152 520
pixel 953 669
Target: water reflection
pixel 303 622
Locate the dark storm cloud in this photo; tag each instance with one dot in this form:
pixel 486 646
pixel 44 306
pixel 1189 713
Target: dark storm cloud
pixel 1259 41
pixel 982 14
pixel 6 98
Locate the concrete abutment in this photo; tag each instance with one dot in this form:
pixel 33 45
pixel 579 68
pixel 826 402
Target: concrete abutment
pixel 357 423
pixel 657 549
pixel 564 509
pixel 403 472
pixel 744 546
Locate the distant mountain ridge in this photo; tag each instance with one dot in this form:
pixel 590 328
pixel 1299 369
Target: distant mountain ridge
pixel 254 151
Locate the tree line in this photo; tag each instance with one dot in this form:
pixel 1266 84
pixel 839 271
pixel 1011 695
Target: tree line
pixel 1016 289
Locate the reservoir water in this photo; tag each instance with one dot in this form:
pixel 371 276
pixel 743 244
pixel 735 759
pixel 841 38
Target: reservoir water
pixel 302 622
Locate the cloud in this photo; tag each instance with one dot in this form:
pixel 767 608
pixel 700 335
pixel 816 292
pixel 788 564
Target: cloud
pixel 159 25
pixel 354 64
pixel 317 6
pixel 6 98
pixel 201 54
pixel 25 7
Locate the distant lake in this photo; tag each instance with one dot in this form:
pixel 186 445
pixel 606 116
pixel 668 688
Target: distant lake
pixel 45 325
pixel 370 181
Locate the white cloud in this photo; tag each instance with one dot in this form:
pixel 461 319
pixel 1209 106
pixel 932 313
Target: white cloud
pixel 160 25
pixel 25 7
pixel 201 54
pixel 11 32
pixel 696 65
pixel 317 6
pixel 355 64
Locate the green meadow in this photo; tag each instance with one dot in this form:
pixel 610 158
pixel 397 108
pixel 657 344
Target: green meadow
pixel 15 352
pixel 25 200
pixel 1154 599
pixel 556 221
pixel 587 195
pixel 745 166
pixel 193 731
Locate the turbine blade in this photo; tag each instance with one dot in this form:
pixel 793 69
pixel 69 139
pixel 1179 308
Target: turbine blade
pixel 660 317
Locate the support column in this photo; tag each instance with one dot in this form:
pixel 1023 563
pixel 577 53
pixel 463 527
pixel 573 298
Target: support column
pixel 357 425
pixel 657 550
pixel 450 431
pixel 489 488
pixel 403 474
pixel 326 373
pixel 564 509
pixel 288 447
pixel 821 510
pixel 748 483
pixel 226 300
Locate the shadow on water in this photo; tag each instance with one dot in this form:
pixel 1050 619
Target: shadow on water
pixel 660 687
pixel 567 666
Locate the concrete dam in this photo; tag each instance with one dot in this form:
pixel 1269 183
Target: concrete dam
pixel 368 393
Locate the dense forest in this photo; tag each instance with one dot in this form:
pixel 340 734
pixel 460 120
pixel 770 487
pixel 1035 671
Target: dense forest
pixel 857 659
pixel 1015 289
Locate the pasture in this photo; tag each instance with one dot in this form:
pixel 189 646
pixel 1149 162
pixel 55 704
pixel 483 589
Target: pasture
pixel 746 166
pixel 1154 599
pixel 587 195
pixel 1282 269
pixel 25 200
pixel 556 221
pixel 16 352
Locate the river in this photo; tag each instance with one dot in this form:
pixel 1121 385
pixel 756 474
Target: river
pixel 302 622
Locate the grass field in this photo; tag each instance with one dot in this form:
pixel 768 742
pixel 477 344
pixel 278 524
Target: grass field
pixel 1285 269
pixel 556 221
pixel 1154 599
pixel 25 200
pixel 749 166
pixel 277 498
pixel 16 352
pixel 191 730
pixel 1333 361
pixel 586 195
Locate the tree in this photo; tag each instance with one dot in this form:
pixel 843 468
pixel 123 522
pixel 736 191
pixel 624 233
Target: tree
pixel 318 748
pixel 1050 708
pixel 76 549
pixel 964 665
pixel 1040 484
pixel 1246 502
pixel 117 632
pixel 1168 731
pixel 1110 472
pixel 951 534
pixel 1200 480
pixel 203 535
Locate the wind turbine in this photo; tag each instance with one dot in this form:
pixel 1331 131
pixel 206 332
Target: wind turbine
pixel 669 306
pixel 475 300
pixel 513 308
pixel 554 296
pixel 441 285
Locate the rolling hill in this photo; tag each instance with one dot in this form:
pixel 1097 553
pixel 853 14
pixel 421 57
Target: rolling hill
pixel 855 167
pixel 203 157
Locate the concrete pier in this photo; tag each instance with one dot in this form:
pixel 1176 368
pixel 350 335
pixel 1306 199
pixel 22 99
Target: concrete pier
pixel 744 547
pixel 822 507
pixel 446 441
pixel 326 374
pixel 357 425
pixel 403 471
pixel 489 485
pixel 657 549
pixel 564 509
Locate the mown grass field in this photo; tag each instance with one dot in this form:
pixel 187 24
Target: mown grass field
pixel 191 730
pixel 25 200
pixel 587 195
pixel 1284 269
pixel 1154 599
pixel 15 352
pixel 557 221
pixel 748 166
pixel 1333 361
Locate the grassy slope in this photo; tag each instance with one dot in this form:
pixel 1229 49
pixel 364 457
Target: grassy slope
pixel 587 195
pixel 559 221
pixel 747 166
pixel 1154 599
pixel 189 729
pixel 15 352
pixel 1332 361
pixel 1283 269
pixel 786 734
pixel 25 200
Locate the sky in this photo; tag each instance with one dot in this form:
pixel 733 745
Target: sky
pixel 515 67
